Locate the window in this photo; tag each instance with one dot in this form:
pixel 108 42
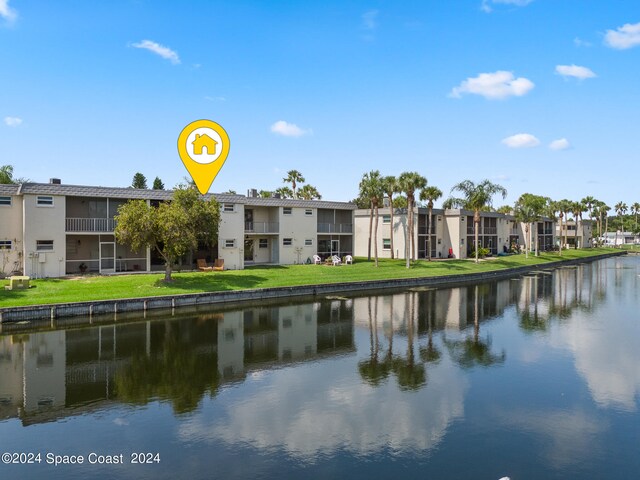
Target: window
pixel 287 242
pixel 5 244
pixel 263 243
pixel 230 243
pixel 286 210
pixel 308 212
pixel 308 242
pixel 386 218
pixel 228 207
pixel 386 244
pixel 44 201
pixel 44 245
pixel 5 201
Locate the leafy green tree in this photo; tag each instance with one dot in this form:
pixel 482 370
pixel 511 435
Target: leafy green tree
pixel 505 209
pixel 265 194
pixel 390 187
pixel 476 197
pixel 400 202
pixel 409 183
pixel 284 192
pixel 430 195
pixel 172 229
pixel 157 184
pixel 139 181
pixel 309 192
pixel 371 188
pixel 6 176
pixel 293 177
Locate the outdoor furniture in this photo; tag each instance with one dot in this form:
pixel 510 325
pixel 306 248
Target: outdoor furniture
pixel 335 260
pixel 317 260
pixel 18 282
pixel 218 264
pixel 202 265
pixel 348 260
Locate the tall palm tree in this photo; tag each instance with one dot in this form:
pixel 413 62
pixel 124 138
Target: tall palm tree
pixel 565 208
pixel 390 187
pixel 589 203
pixel 605 209
pixel 577 208
pixel 410 182
pixel 635 209
pixel 293 177
pixel 6 174
pixel 476 197
pixel 371 189
pixel 430 195
pixel 553 212
pixel 526 214
pixel 309 192
pixel 621 209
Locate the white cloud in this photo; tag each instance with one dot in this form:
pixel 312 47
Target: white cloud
pixel 7 12
pixel 575 71
pixel 560 144
pixel 158 49
pixel 12 121
pixel 623 37
pixel 521 140
pixel 215 99
pixel 486 4
pixel 288 129
pixel 370 19
pixel 497 85
pixel 581 43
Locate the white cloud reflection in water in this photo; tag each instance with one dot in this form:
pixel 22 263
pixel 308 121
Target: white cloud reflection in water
pixel 316 410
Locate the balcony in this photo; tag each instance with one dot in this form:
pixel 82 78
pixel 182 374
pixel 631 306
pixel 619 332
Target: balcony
pixel 261 227
pixel 335 228
pixel 423 231
pixel 90 224
pixel 483 231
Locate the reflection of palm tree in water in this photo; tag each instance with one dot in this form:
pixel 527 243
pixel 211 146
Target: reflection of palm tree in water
pixel 372 370
pixel 430 354
pixel 411 376
pixel 473 351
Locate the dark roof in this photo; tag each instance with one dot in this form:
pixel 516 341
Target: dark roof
pixel 9 189
pixel 146 194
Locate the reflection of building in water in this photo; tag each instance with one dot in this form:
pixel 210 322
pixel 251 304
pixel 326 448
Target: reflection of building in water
pixel 450 308
pixel 47 375
pixel 32 372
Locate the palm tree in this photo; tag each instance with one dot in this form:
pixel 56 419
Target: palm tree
pixel 284 192
pixel 371 189
pixel 553 211
pixel 430 195
pixel 589 203
pixel 526 214
pixel 410 182
pixel 390 186
pixel 476 197
pixel 635 209
pixel 565 206
pixel 505 209
pixel 309 192
pixel 293 177
pixel 577 208
pixel 605 209
pixel 6 174
pixel 621 209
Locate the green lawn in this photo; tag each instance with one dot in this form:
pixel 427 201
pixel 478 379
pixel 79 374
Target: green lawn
pixel 91 287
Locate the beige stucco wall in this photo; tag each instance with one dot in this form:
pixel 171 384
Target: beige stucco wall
pixel 11 229
pixel 44 223
pixel 232 228
pixel 298 227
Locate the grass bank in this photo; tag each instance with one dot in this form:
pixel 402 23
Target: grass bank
pixel 87 288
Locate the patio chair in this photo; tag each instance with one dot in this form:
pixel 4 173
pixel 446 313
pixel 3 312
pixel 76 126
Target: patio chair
pixel 348 260
pixel 317 260
pixel 218 265
pixel 202 265
pixel 335 260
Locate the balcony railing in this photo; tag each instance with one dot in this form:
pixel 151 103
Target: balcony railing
pixel 335 228
pixel 483 230
pixel 90 224
pixel 261 227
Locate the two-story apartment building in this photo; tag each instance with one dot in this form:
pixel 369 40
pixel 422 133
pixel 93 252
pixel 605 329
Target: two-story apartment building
pixel 49 230
pixel 450 235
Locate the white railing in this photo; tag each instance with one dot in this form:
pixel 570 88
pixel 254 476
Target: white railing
pixel 90 224
pixel 261 227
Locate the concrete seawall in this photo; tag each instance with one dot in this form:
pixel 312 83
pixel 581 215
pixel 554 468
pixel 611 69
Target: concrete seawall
pixel 114 307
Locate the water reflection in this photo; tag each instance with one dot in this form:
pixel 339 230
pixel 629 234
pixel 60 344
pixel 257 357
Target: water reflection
pixel 366 377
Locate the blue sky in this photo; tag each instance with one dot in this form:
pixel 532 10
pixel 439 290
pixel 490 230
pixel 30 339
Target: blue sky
pixel 93 92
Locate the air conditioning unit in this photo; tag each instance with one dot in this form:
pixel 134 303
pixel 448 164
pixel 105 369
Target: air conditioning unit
pixel 42 257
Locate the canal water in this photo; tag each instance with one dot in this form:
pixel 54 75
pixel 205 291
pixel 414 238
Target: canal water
pixel 535 377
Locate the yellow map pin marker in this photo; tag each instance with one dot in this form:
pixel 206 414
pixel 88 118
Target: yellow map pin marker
pixel 203 146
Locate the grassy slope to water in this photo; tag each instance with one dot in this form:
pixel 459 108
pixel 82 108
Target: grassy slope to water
pixel 62 290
